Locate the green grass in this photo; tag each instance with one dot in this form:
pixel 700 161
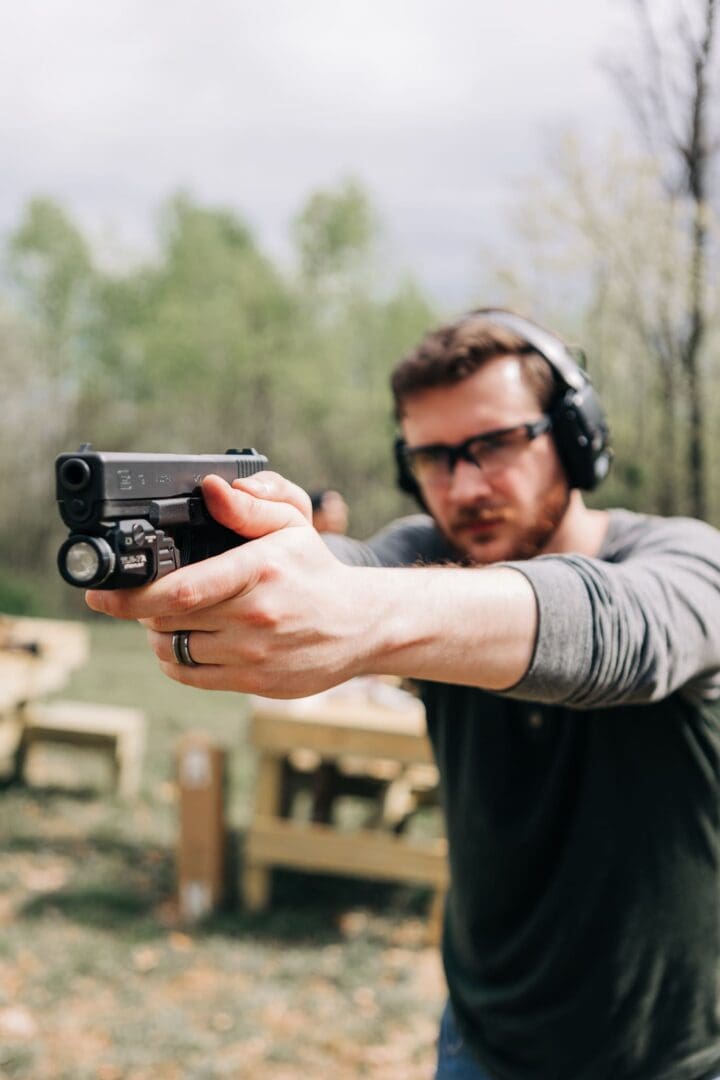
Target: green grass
pixel 99 981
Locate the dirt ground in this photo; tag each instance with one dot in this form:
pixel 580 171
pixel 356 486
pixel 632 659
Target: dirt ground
pixel 100 981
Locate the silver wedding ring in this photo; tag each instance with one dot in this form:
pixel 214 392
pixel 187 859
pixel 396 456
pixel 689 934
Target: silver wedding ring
pixel 181 648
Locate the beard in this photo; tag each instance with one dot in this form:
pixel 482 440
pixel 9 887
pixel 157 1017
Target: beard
pixel 524 536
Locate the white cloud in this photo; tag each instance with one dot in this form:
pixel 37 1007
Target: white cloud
pixel 435 104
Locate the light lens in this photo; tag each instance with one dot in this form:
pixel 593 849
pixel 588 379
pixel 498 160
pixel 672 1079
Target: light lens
pixel 82 561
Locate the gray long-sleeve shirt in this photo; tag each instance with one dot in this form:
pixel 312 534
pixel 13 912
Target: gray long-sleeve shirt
pixel 583 813
pixel 633 625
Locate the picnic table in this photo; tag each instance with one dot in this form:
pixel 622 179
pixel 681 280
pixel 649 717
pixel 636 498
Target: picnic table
pixel 37 658
pixel 367 733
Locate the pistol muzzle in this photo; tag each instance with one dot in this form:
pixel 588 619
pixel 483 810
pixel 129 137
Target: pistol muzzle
pixel 74 474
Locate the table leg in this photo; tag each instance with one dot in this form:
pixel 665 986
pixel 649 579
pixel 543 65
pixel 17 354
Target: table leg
pixel 256 879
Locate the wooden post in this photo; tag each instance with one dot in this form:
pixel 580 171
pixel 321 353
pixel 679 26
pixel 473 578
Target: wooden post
pixel 201 846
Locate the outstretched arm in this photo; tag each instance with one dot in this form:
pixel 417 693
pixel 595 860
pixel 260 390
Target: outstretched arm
pixel 282 617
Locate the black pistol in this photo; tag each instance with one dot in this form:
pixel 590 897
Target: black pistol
pixel 135 517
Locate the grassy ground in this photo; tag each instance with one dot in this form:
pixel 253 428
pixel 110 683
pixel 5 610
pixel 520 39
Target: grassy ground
pixel 98 979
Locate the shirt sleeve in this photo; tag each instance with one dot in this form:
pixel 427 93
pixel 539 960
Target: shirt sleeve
pixel 630 630
pixel 409 541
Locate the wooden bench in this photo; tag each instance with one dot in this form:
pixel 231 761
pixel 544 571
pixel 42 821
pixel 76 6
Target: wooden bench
pixel 338 729
pixel 37 657
pixel 117 732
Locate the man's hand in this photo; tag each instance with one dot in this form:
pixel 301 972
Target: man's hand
pixel 282 617
pixel 276 616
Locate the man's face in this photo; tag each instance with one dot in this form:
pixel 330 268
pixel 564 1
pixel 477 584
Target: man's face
pixel 490 514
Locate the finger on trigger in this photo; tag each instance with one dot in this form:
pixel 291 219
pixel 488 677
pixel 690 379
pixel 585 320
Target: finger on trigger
pixel 246 514
pixel 275 488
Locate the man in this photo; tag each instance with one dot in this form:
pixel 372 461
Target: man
pixel 329 511
pixel 569 659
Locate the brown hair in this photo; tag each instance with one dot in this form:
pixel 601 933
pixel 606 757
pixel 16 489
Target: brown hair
pixel 456 350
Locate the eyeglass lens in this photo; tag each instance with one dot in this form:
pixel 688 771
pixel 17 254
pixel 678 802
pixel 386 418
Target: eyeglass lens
pixel 436 464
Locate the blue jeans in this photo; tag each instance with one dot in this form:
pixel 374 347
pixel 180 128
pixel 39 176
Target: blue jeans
pixel 455 1059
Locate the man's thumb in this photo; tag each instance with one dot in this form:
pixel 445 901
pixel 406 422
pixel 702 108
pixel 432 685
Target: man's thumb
pixel 251 516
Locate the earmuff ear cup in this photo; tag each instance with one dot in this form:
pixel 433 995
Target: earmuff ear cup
pixel 581 436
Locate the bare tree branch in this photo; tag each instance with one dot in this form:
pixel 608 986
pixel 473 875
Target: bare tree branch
pixel 669 100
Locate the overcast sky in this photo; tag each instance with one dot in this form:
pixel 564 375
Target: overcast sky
pixel 436 106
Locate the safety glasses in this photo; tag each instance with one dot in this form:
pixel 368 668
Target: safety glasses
pixel 493 451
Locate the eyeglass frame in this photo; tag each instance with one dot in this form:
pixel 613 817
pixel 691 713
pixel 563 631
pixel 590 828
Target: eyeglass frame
pixel 456 452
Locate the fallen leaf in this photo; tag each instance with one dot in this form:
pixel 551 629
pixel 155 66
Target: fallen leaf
pixel 17 1022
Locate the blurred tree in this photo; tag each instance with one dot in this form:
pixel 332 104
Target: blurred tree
pixel 359 325
pixel 31 434
pixel 206 346
pixel 201 335
pixel 670 86
pixel 51 284
pixel 334 233
pixel 603 256
pixel 628 242
pixel 352 447
pixel 50 267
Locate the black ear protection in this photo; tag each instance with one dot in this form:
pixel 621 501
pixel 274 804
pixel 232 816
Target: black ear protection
pixel 579 427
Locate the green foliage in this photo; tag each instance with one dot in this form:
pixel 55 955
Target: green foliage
pixel 209 344
pixel 334 230
pixel 203 338
pixel 50 263
pixel 17 598
pixel 212 344
pixel 605 252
